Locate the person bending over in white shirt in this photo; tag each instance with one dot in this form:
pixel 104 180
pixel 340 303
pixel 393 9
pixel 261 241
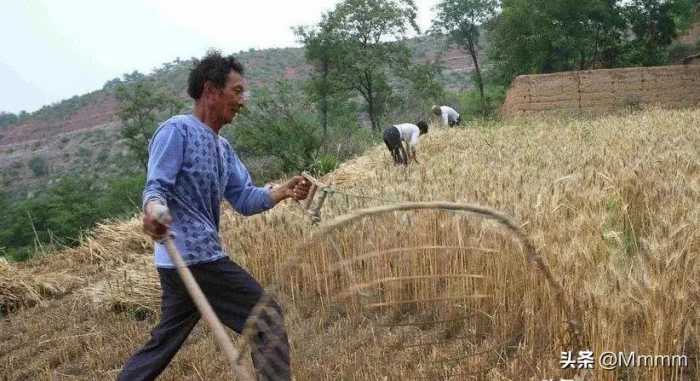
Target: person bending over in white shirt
pixel 449 116
pixel 404 132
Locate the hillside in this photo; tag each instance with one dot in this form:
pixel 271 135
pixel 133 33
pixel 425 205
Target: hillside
pixel 610 204
pixel 86 128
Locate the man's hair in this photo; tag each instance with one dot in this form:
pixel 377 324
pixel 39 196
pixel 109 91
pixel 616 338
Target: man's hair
pixel 436 110
pixel 423 127
pixel 214 68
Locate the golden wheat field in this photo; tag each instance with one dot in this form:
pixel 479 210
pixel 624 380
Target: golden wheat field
pixel 609 206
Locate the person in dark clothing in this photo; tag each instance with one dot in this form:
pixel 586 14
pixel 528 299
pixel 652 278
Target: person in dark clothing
pixel 408 133
pixel 392 139
pixel 190 170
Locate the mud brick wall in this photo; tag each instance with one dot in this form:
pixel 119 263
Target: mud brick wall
pixel 604 90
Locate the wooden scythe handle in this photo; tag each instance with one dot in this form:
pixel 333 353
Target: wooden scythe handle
pixel 200 300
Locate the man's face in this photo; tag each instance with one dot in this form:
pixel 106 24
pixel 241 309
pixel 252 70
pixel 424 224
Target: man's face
pixel 232 97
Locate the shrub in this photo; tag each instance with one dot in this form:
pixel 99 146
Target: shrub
pixel 325 163
pixel 39 166
pixel 84 152
pixel 59 215
pixel 103 156
pixel 470 102
pixel 678 51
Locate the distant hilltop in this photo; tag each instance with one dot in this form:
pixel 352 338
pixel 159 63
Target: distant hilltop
pixel 98 108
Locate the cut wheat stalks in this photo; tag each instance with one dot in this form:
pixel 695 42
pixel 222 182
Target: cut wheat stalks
pixel 23 288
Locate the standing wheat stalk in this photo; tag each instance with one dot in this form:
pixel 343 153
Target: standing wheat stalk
pixel 531 252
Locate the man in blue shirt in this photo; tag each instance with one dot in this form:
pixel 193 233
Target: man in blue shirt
pixel 190 170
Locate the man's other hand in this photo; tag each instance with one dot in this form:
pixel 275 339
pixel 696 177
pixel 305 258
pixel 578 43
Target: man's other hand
pixel 151 226
pixel 297 188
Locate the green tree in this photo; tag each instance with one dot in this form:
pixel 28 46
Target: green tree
pixel 542 36
pixel 370 45
pixel 140 106
pixel 59 215
pixel 461 20
pixel 17 228
pixel 420 88
pixel 321 49
pixel 134 76
pixel 112 84
pixel 685 13
pixel 5 206
pixel 71 206
pixel 280 125
pixel 654 25
pixel 55 217
pixel 39 166
pixel 121 196
pixel 7 118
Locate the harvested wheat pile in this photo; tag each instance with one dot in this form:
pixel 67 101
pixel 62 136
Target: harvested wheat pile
pixel 134 286
pixel 24 288
pixel 109 245
pixel 112 243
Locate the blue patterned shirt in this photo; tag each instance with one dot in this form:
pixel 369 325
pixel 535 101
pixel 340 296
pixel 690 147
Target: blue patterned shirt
pixel 191 169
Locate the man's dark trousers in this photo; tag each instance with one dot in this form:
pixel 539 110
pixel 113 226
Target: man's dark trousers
pixel 232 293
pixel 392 139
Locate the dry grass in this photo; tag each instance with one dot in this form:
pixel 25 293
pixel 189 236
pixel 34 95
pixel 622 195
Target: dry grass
pixel 26 288
pixel 610 204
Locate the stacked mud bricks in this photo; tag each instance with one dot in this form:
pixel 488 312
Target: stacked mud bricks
pixel 604 90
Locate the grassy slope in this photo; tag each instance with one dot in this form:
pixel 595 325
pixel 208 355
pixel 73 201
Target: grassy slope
pixel 611 205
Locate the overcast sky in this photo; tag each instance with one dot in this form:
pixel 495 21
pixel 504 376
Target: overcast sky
pixel 54 49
